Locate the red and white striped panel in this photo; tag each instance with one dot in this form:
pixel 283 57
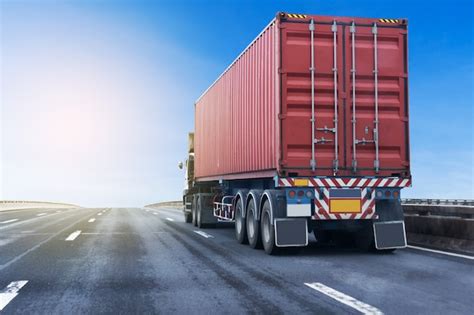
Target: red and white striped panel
pixel 323 185
pixel 322 207
pixel 339 182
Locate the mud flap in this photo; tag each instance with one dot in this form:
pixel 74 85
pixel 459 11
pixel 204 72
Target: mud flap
pixel 390 235
pixel 207 212
pixel 291 232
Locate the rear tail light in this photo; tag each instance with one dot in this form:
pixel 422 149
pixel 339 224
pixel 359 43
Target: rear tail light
pixel 291 194
pixel 396 194
pixel 387 193
pixel 300 193
pixel 309 194
pixel 379 194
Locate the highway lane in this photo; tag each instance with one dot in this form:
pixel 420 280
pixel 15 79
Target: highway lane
pixel 20 215
pixel 150 261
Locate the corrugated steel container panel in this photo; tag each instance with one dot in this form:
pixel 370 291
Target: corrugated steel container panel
pixel 235 119
pixel 255 120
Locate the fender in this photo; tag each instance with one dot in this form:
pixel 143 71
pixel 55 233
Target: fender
pixel 277 199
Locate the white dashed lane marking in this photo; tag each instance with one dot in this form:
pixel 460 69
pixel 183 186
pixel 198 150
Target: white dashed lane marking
pixel 169 219
pixel 8 221
pixel 344 299
pixel 10 292
pixel 99 213
pixel 41 214
pixel 203 234
pixel 73 236
pixel 91 220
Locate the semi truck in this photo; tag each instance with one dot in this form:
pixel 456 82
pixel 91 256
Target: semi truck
pixel 306 131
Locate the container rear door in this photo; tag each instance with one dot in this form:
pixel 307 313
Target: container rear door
pixel 377 100
pixel 358 129
pixel 298 60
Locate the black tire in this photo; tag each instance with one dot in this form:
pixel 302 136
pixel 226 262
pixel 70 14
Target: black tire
pixel 188 217
pixel 193 211
pixel 364 239
pixel 268 230
pixel 199 214
pixel 385 251
pixel 322 236
pixel 240 226
pixel 253 227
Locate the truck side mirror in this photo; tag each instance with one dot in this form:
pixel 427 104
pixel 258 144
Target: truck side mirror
pixel 180 165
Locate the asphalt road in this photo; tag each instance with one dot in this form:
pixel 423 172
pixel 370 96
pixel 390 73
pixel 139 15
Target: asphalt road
pixel 129 261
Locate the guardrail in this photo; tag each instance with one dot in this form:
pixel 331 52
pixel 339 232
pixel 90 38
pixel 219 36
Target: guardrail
pixel 166 204
pixel 463 208
pixel 23 204
pixel 460 202
pixel 459 211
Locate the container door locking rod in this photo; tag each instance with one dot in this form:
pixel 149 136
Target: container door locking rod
pixel 353 71
pixel 313 121
pixel 334 70
pixel 376 86
pixel 355 141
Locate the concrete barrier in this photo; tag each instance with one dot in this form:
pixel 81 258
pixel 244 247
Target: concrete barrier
pixel 20 204
pixel 441 226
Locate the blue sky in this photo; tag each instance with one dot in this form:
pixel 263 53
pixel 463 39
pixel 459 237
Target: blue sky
pixel 97 96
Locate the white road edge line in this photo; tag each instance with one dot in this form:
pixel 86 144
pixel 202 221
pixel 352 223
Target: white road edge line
pixel 91 220
pixel 73 235
pixel 203 234
pixel 441 252
pixel 10 292
pixel 169 219
pixel 155 213
pixel 8 221
pixel 99 213
pixel 41 214
pixel 344 298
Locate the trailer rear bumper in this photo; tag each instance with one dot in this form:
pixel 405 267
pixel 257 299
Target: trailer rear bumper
pixel 341 198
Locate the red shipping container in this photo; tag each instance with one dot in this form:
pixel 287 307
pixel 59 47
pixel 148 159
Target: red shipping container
pixel 255 120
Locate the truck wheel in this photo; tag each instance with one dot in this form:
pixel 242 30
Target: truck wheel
pixel 253 228
pixel 188 217
pixel 193 211
pixel 199 214
pixel 385 251
pixel 240 226
pixel 268 230
pixel 322 237
pixel 364 239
